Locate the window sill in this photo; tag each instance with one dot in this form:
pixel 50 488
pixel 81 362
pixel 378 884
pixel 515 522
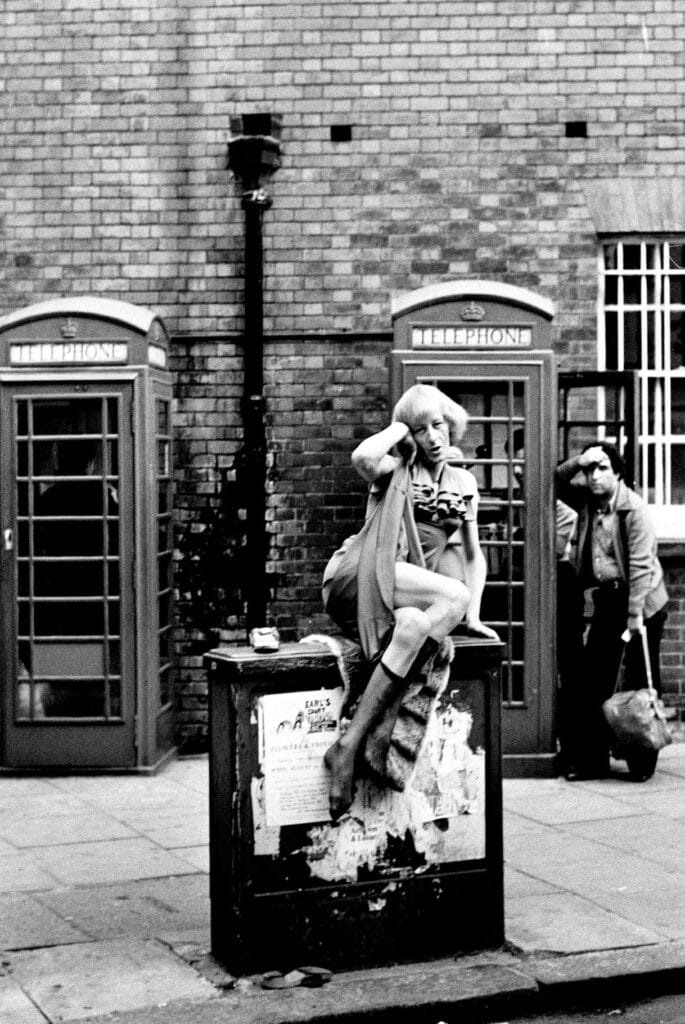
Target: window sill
pixel 669 523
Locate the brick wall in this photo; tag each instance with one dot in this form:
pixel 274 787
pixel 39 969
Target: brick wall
pixel 113 181
pixel 116 119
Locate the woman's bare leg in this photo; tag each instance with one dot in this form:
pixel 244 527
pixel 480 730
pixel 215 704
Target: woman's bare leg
pixel 428 606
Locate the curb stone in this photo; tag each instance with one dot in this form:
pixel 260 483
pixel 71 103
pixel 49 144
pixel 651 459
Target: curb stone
pixel 478 988
pixel 629 972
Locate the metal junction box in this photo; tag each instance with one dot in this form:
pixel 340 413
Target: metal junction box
pixel 405 876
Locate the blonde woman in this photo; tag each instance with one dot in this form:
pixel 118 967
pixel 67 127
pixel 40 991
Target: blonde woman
pixel 394 585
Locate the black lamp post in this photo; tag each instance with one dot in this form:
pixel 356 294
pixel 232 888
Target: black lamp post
pixel 254 154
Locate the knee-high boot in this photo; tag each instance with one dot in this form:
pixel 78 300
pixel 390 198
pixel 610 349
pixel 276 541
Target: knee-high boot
pixel 382 691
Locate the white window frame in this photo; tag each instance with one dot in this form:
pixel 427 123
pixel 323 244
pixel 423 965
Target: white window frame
pixel 655 432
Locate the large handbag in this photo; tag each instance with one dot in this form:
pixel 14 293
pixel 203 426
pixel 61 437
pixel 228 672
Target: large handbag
pixel 636 717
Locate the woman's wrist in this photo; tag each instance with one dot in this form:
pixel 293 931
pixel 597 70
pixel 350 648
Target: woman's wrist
pixel 399 430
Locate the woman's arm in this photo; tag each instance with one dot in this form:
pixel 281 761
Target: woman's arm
pixel 372 457
pixel 474 577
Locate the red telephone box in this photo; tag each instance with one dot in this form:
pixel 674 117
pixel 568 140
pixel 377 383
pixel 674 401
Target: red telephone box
pixel 486 344
pixel 85 502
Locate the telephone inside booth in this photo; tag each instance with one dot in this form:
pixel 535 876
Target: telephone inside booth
pixel 85 464
pixel 486 344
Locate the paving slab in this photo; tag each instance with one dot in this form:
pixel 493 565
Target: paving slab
pixel 47 805
pixel 20 787
pixel 656 839
pixel 196 857
pixel 140 909
pixel 191 772
pixel 174 831
pixel 15 1005
pixel 609 873
pixel 660 910
pixel 530 851
pixel 567 804
pixel 20 873
pixel 26 923
pixel 521 883
pixel 75 982
pixel 109 861
pixel 668 803
pixel 76 827
pixel 565 923
pixel 517 824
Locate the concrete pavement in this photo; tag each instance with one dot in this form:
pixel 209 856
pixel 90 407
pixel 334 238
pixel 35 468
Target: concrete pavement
pixel 104 906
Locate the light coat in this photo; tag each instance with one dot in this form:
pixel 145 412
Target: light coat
pixel 636 557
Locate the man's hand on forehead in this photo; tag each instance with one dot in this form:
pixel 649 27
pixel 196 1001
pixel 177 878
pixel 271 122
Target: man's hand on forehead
pixel 593 457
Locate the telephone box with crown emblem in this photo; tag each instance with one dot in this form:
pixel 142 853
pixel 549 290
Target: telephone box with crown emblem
pixel 487 345
pixel 86 507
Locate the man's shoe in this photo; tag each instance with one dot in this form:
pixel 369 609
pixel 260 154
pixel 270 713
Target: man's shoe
pixel 585 773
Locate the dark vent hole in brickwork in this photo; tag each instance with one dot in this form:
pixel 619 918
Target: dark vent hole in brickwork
pixel 257 124
pixel 576 129
pixel 341 133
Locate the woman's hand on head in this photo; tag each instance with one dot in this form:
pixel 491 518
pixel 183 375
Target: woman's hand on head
pixel 406 447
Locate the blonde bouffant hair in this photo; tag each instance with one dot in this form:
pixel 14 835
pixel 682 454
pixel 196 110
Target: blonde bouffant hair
pixel 422 398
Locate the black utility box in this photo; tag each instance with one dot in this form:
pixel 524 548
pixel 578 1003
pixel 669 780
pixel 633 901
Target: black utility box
pixel 405 876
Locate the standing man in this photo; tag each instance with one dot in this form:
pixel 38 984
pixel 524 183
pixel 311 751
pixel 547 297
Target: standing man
pixel 616 560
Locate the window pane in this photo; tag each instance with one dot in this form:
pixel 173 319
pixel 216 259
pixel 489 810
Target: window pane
pixel 165 647
pixel 22 458
pixel 23 578
pixel 677 328
pixel 678 406
pixel 164 496
pixel 611 291
pixel 162 417
pixel 112 467
pixel 67 416
pixel 22 418
pixel 164 572
pixel 163 533
pixel 68 578
pixel 77 699
pixel 655 411
pixel 611 341
pixel 66 458
pixel 164 687
pixel 611 257
pixel 22 539
pixel 112 416
pixel 676 256
pixel 69 618
pixel 677 289
pixel 651 343
pixel 163 458
pixel 631 257
pixel 678 474
pixel 631 291
pixel 164 610
pixel 114 658
pixel 115 698
pixel 631 341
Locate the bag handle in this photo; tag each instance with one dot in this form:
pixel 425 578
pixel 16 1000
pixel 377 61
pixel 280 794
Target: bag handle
pixel 625 637
pixel 656 703
pixel 648 664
